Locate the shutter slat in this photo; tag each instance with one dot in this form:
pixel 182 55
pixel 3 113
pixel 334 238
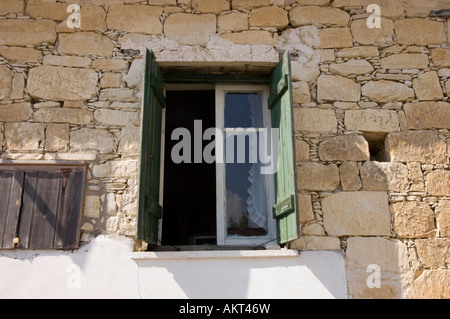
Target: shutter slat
pixel 11 186
pixel 46 208
pixel 69 218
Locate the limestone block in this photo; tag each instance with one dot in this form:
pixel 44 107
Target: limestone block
pixel 249 4
pixel 234 21
pixel 426 115
pixel 350 67
pixel 447 88
pixel 306 15
pixel 272 16
pixel 336 88
pixel 70 61
pixel 314 120
pixel 58 83
pixel 12 6
pixel 367 36
pixel 129 140
pixel 18 84
pixel 335 38
pixel 413 220
pixel 300 92
pixel 2 138
pixel 437 183
pixel 19 32
pixel 350 180
pixel 361 52
pixel 431 284
pixel 443 218
pixel 317 177
pixel 57 137
pixel 134 75
pixel 102 170
pixel 356 214
pixel 427 87
pixel 15 112
pixel 124 169
pixel 46 9
pixel 114 117
pixel 301 151
pixel 110 64
pixel 371 120
pixel 405 61
pixel 388 256
pixel 157 2
pixel 24 136
pixel 420 32
pixel 305 210
pixel 119 94
pixel 415 146
pixel 211 6
pixel 5 81
pixel 382 176
pixel 344 148
pixel 17 54
pixel 441 57
pixel 250 37
pixel 85 43
pixel 63 115
pixel 88 139
pixel 93 17
pixel 314 2
pixel 385 91
pixel 434 252
pixel 111 80
pixel 316 243
pixel 180 26
pixel 137 18
pixel 416 177
pixel 303 72
pixel 92 206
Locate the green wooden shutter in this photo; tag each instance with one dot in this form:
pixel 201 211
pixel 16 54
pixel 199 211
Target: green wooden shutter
pixel 285 210
pixel 149 210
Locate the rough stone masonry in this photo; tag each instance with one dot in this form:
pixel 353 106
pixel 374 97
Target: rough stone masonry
pixel 372 116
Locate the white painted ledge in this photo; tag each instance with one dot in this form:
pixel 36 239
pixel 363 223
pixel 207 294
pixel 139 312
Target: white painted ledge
pixel 214 254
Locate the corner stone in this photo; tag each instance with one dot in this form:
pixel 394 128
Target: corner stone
pixel 357 214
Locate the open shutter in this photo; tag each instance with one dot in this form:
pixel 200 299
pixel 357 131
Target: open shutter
pixel 150 211
pixel 285 210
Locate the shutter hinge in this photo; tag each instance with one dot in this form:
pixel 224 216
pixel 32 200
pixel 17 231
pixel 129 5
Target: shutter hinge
pixel 65 172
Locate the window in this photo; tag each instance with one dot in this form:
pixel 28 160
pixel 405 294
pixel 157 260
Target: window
pixel 40 206
pixel 214 181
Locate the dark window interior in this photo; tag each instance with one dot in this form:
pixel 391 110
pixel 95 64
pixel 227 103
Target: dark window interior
pixel 189 206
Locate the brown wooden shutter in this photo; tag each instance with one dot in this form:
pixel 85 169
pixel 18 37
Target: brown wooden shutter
pixel 41 207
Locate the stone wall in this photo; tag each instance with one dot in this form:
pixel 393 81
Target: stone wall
pixel 372 116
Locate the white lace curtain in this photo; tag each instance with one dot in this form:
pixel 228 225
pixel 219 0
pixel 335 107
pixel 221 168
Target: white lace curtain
pixel 257 200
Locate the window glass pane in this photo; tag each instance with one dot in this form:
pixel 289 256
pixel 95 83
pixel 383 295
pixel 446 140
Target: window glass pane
pixel 246 198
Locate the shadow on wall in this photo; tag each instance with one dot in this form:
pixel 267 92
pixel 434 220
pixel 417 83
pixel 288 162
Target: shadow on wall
pixel 310 275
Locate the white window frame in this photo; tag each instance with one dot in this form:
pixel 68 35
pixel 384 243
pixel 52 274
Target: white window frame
pixel 222 237
pixel 221 222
